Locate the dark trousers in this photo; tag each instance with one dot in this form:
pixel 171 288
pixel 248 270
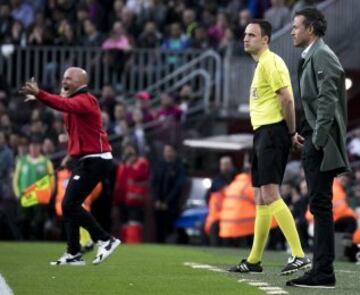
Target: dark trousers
pixel 320 192
pixel 85 176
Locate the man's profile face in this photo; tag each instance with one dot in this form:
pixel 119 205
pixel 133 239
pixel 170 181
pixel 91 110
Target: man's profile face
pixel 301 35
pixel 71 81
pixel 253 40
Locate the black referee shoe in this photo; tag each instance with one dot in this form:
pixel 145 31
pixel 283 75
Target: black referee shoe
pixel 245 266
pixel 296 263
pixel 313 280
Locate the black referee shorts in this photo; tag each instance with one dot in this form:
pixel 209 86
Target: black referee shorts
pixel 270 153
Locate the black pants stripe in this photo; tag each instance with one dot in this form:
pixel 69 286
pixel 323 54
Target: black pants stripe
pixel 85 176
pixel 320 191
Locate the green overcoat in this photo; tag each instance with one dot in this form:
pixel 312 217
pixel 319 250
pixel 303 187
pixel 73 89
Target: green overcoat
pixel 324 101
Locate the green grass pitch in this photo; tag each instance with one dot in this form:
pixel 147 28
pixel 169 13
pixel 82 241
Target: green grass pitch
pixel 152 269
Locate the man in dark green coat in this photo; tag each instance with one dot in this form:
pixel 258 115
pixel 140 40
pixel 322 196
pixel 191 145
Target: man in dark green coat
pixel 322 137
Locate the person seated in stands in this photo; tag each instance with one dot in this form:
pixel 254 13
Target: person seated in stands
pixel 142 104
pixel 278 15
pixel 168 108
pixel 176 42
pixel 117 47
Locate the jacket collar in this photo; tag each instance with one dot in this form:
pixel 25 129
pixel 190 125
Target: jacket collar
pixel 318 43
pixel 80 90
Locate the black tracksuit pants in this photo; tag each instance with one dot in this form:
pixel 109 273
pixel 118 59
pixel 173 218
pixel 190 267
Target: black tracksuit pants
pixel 319 185
pixel 85 176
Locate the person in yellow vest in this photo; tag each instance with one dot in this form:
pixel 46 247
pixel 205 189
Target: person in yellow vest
pixel 62 179
pixel 29 169
pixel 215 197
pixel 272 115
pixel 238 210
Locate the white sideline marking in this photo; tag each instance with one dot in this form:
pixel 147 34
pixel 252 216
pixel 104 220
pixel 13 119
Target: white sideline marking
pixel 4 287
pixel 346 271
pixel 264 286
pixel 259 284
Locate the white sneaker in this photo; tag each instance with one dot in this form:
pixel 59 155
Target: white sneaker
pixel 105 248
pixel 68 259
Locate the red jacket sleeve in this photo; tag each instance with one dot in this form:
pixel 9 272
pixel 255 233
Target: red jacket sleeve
pixel 82 103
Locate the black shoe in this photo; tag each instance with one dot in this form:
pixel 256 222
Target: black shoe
pixel 313 280
pixel 296 263
pixel 245 266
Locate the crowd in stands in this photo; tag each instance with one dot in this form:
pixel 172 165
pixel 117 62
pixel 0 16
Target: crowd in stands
pixel 127 24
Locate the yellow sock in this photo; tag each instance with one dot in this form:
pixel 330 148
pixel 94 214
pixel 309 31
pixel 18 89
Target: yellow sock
pixel 261 233
pixel 84 236
pixel 287 225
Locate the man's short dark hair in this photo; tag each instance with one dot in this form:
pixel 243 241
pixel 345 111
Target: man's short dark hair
pixel 265 27
pixel 315 18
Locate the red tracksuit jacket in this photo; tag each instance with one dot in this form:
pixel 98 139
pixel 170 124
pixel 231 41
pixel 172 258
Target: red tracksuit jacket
pixel 82 116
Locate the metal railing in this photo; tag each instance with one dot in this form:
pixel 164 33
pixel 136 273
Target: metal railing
pixel 129 72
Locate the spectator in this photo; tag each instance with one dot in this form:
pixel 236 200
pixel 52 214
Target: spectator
pixel 169 179
pixel 176 43
pixel 120 125
pixel 136 6
pixel 234 7
pixel 66 34
pixel 92 36
pixel 8 228
pixel 168 108
pixel 354 145
pixel 217 32
pixel 6 167
pixel 116 47
pixel 117 39
pixel 116 11
pixel 18 34
pixel 207 19
pixel 150 36
pixel 244 18
pixel 5 124
pixel 6 22
pixel 22 12
pixel 214 198
pixel 138 136
pixel 130 193
pixel 108 100
pixel 278 15
pixel 189 21
pixel 142 104
pixel 48 147
pixel 157 12
pixel 258 7
pixel 40 33
pixel 200 39
pixel 29 169
pixel 129 22
pixel 301 4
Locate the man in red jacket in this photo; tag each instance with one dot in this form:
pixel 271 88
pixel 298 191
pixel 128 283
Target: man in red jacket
pixel 88 143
